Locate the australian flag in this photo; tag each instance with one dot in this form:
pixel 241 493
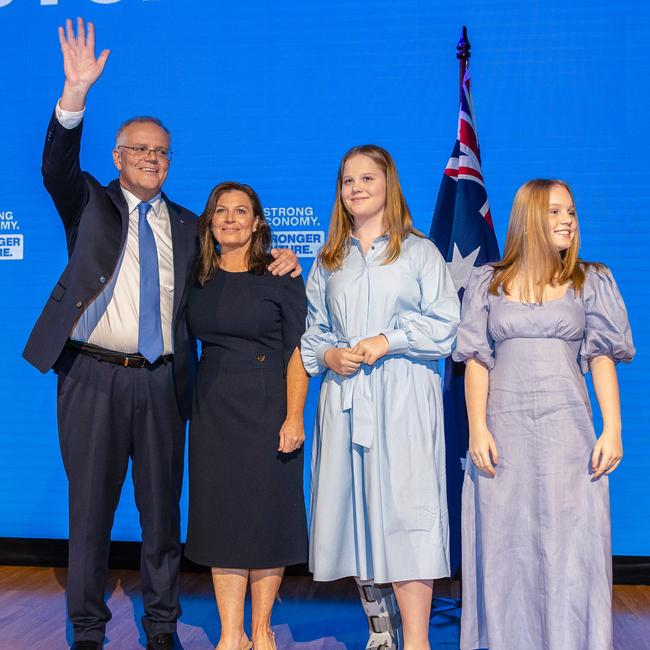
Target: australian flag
pixel 462 230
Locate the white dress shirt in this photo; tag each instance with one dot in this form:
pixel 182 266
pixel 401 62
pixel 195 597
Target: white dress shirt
pixel 117 328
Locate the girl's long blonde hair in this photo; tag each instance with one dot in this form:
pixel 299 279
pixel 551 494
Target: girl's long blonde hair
pixel 531 259
pixel 397 217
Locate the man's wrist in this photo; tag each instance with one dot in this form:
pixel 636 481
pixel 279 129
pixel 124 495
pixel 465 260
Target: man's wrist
pixel 73 98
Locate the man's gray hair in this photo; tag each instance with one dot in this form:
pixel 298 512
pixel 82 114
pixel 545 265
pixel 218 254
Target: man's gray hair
pixel 139 119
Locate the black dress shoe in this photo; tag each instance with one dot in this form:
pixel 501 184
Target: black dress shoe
pixel 86 645
pixel 164 641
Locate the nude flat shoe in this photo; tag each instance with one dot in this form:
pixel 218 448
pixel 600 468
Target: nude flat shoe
pixel 245 644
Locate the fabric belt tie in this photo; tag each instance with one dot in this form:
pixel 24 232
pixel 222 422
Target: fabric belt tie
pixel 356 398
pixel 150 340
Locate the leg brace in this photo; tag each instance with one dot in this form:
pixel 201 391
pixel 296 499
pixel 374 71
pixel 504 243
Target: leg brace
pixel 384 622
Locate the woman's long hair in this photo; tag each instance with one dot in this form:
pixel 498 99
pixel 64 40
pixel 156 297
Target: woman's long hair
pixel 209 255
pixel 531 259
pixel 397 216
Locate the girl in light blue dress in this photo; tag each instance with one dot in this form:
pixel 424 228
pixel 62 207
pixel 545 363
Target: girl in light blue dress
pixel 382 311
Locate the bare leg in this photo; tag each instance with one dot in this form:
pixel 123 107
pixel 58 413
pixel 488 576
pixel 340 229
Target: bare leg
pixel 264 588
pixel 414 600
pixel 230 591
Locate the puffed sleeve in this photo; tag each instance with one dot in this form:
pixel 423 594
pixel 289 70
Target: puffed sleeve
pixel 607 330
pixel 319 336
pixel 293 308
pixel 427 333
pixel 473 340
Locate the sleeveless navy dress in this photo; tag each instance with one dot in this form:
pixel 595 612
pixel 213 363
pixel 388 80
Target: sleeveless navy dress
pixel 247 508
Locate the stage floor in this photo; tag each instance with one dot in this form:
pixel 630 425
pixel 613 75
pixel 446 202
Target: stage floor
pixel 310 616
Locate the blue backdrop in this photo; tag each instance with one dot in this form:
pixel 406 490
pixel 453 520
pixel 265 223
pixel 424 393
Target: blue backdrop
pixel 272 94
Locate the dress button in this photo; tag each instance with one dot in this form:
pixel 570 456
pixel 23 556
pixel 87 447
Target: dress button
pixel 102 280
pixel 79 304
pixel 261 357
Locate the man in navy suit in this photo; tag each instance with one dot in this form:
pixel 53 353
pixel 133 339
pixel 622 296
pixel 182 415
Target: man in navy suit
pixel 114 331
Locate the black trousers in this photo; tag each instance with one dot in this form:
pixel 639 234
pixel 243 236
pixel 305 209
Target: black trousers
pixel 108 414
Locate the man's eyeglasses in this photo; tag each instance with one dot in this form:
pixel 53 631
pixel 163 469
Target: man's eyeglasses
pixel 140 151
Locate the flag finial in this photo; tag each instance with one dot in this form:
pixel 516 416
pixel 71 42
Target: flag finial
pixel 464 48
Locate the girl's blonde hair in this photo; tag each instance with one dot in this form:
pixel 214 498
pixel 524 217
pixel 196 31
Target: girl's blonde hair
pixel 397 217
pixel 530 257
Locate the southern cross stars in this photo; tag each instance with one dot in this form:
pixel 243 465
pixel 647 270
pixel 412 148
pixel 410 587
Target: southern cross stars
pixel 461 267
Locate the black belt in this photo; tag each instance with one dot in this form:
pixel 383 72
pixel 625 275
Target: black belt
pixel 118 358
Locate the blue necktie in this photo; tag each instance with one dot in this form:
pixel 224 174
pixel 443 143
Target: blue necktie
pixel 150 341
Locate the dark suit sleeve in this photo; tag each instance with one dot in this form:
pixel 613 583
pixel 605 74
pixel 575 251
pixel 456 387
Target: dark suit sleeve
pixel 62 174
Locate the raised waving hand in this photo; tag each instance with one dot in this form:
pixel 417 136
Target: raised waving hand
pixel 80 65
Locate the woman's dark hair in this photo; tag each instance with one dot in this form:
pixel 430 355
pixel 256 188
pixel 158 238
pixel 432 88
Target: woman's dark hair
pixel 259 253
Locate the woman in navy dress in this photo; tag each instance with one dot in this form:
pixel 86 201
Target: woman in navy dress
pixel 247 514
pixel 536 523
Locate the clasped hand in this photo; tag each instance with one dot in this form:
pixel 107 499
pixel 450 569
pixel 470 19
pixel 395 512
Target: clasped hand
pixel 346 361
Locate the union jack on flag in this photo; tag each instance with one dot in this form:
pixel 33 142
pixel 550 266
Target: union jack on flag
pixel 462 218
pixel 462 230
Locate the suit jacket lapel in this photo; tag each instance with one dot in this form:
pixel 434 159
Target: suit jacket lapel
pixel 114 192
pixel 179 233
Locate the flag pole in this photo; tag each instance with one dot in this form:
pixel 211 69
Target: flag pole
pixel 463 54
pixel 439 604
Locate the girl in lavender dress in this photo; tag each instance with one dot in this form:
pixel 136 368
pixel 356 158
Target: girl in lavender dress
pixel 536 524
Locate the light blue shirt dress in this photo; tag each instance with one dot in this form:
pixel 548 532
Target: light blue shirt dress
pixel 378 500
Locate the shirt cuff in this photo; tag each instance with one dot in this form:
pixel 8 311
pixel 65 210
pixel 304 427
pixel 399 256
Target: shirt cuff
pixel 68 119
pixel 320 355
pixel 398 342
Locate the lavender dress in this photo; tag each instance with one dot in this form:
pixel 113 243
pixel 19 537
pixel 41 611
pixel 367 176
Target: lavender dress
pixel 536 538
